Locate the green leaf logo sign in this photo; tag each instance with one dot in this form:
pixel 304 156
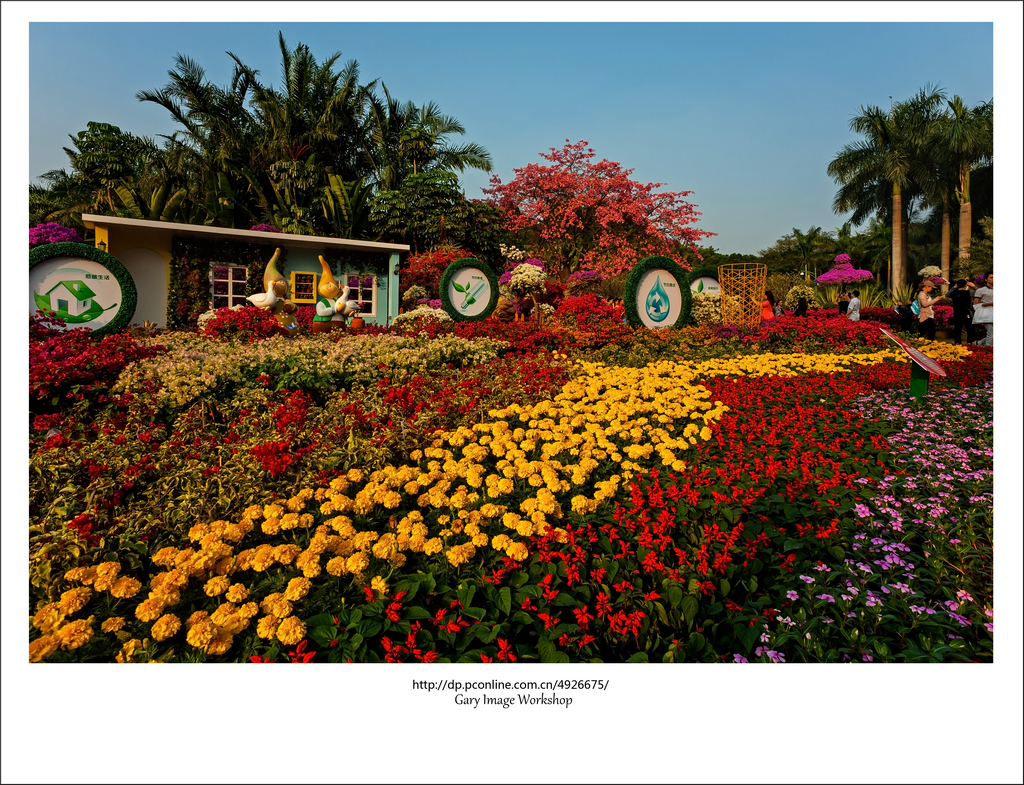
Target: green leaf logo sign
pixel 700 286
pixel 470 296
pixel 459 288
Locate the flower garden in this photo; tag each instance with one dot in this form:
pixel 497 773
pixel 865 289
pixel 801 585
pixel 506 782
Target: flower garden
pixel 559 491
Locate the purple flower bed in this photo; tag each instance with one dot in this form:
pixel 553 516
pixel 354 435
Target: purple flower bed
pixel 915 583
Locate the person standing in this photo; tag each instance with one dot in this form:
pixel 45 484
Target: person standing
pixel 962 310
pixel 768 307
pixel 983 310
pixel 801 307
pixel 853 310
pixel 843 301
pixel 925 301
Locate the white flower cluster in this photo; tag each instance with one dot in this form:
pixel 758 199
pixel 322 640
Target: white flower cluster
pixel 423 312
pixel 527 278
pixel 929 271
pixel 707 308
pixel 798 291
pixel 512 253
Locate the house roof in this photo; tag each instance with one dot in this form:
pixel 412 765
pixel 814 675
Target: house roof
pixel 241 235
pixel 77 288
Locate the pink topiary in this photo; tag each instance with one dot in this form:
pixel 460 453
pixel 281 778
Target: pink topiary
pixel 844 272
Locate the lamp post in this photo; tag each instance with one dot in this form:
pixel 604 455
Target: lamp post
pixel 102 246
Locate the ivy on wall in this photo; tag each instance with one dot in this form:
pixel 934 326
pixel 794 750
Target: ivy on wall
pixel 364 262
pixel 188 295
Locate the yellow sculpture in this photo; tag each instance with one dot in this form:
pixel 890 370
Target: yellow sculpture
pixel 276 297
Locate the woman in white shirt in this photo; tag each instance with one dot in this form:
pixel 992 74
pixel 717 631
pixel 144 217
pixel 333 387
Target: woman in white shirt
pixel 853 310
pixel 983 310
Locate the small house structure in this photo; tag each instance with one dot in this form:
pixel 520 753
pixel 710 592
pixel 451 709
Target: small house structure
pixel 71 297
pixel 147 250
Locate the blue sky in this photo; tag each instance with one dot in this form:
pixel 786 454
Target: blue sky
pixel 747 116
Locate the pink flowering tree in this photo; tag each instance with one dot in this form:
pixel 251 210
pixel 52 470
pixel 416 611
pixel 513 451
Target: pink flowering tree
pixel 843 272
pixel 577 214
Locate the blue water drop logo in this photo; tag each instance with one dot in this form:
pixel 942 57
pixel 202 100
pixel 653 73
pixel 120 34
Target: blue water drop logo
pixel 657 302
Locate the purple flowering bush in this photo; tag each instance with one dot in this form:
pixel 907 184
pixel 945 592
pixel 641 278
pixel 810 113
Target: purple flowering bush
pixel 843 272
pixel 44 234
pixel 265 228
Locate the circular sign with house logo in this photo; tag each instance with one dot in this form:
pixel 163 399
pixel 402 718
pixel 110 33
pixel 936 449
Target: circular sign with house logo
pixel 469 290
pixel 81 285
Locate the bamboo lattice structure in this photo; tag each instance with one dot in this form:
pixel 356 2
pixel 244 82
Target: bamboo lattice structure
pixel 742 288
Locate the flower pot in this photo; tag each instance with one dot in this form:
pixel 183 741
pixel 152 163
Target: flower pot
pixel 357 323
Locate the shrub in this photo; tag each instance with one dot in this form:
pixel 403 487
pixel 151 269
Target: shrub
pixel 245 324
pixel 52 233
pixel 796 292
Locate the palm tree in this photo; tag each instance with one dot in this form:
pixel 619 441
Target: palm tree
pixel 884 159
pixel 404 139
pixel 808 246
pixel 962 140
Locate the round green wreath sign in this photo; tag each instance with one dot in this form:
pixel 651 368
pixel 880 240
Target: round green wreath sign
pixel 701 272
pixel 664 288
pixel 88 290
pixel 469 290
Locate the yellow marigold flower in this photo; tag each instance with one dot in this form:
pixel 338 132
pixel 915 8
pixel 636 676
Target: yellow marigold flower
pixel 355 475
pixel 237 531
pixel 280 608
pixel 148 610
pixel 337 566
pixel 166 626
pixel 216 586
pixel 357 563
pixel 379 585
pixel 105 580
pixel 480 539
pixel 220 643
pixel 196 617
pixel 263 558
pixel 432 546
pixel 285 554
pixel 129 650
pixel 75 634
pixel 41 648
pixel 271 526
pixel 267 627
pixel 73 600
pixel 524 528
pixel 198 531
pixel 273 511
pixel 248 610
pixel 705 433
pixel 48 617
pixel 222 613
pixel 398 560
pixel 237 592
pixel 297 589
pixel 391 500
pixel 517 551
pixel 75 574
pixel 309 563
pixel 200 634
pixel 364 540
pixel 113 624
pixel 386 546
pixel 291 631
pixel 269 600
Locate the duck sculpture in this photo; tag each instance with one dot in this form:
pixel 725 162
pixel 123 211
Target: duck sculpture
pixel 346 308
pixel 267 299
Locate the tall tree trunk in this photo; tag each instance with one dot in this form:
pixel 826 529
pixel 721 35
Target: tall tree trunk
pixel 905 228
pixel 945 249
pixel 899 278
pixel 965 217
pixel 965 232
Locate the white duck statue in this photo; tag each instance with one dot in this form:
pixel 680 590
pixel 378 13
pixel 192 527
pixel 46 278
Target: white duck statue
pixel 266 299
pixel 344 307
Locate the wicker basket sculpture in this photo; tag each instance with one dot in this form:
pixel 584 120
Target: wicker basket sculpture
pixel 742 293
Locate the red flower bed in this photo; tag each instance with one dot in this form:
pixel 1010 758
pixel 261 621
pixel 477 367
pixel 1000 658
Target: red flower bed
pixel 826 329
pixel 70 364
pixel 247 325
